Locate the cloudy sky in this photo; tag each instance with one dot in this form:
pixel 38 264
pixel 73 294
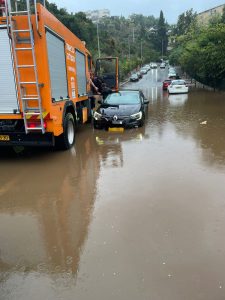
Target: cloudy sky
pixel 171 8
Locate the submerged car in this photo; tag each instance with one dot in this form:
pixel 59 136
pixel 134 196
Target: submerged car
pixel 178 87
pixel 162 65
pixel 143 71
pixel 122 109
pixel 139 75
pixel 134 77
pixel 166 83
pixel 154 65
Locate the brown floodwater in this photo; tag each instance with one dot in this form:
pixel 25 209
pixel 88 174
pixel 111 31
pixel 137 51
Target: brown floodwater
pixel 126 216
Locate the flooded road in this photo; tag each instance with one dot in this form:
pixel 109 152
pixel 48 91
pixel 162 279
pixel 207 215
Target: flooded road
pixel 133 215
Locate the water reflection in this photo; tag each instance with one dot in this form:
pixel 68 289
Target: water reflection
pixel 178 100
pixel 186 112
pixel 110 145
pixel 47 201
pixel 46 204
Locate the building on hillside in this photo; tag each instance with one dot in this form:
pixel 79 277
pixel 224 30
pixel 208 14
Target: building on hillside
pixel 205 16
pixel 96 15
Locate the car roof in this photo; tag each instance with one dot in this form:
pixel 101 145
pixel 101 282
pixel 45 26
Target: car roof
pixel 129 90
pixel 140 92
pixel 178 81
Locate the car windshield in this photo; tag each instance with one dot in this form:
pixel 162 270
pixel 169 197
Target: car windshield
pixel 178 82
pixel 122 98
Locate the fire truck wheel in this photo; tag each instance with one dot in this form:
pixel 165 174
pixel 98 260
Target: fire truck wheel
pixel 67 139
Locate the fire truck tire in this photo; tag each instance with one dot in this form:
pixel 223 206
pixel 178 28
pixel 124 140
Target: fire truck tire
pixel 67 139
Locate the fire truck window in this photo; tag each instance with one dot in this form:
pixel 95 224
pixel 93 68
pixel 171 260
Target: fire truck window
pixel 57 67
pixel 81 73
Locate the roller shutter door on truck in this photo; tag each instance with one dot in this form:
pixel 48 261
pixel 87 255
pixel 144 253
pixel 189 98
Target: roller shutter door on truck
pixel 81 73
pixel 57 66
pixel 8 92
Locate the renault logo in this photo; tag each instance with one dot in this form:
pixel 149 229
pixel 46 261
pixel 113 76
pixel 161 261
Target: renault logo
pixel 115 118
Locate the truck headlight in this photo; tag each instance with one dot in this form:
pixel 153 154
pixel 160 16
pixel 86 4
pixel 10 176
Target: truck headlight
pixel 137 116
pixel 97 116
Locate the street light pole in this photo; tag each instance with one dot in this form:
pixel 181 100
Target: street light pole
pixel 99 54
pixel 129 46
pixel 162 48
pixel 141 52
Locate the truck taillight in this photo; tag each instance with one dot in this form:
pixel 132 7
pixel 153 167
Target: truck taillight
pixel 36 124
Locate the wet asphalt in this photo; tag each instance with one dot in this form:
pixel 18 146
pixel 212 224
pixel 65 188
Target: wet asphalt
pixel 126 216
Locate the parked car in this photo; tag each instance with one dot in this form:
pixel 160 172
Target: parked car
pixel 122 109
pixel 154 65
pixel 134 77
pixel 143 71
pixel 171 69
pixel 178 87
pixel 139 75
pixel 147 67
pixel 162 65
pixel 173 76
pixel 166 83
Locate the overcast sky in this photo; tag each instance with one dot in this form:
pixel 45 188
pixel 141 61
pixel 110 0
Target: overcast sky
pixel 171 8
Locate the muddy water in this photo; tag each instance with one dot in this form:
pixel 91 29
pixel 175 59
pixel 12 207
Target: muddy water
pixel 133 215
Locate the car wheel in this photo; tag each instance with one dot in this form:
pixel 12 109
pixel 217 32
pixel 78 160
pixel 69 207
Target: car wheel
pixel 67 139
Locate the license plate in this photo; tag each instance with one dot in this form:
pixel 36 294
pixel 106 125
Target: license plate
pixel 116 129
pixel 117 122
pixel 4 138
pixel 179 87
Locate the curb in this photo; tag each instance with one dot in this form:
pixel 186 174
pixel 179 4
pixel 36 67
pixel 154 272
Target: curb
pixel 123 83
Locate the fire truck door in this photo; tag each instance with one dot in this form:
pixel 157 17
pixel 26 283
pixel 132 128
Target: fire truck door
pixel 107 69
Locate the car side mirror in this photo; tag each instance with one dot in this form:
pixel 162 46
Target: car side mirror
pixel 99 101
pixel 146 101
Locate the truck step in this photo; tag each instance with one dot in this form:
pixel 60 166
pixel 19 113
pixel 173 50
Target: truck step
pixel 19 12
pixel 20 30
pixel 26 66
pixel 30 98
pixel 28 82
pixel 22 49
pixel 35 128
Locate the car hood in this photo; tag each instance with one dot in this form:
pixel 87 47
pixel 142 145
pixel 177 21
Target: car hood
pixel 120 110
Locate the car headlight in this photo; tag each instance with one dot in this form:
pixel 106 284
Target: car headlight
pixel 97 116
pixel 137 116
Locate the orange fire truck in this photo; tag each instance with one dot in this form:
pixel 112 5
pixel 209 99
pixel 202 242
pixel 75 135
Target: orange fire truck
pixel 44 78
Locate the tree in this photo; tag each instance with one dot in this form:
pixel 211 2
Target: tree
pixel 223 16
pixel 185 20
pixel 161 37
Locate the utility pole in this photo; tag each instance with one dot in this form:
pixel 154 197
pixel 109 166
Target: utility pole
pixel 129 46
pixel 141 53
pixel 133 34
pixel 99 54
pixel 162 49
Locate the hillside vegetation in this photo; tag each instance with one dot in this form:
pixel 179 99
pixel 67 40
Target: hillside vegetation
pixel 200 49
pixel 131 39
